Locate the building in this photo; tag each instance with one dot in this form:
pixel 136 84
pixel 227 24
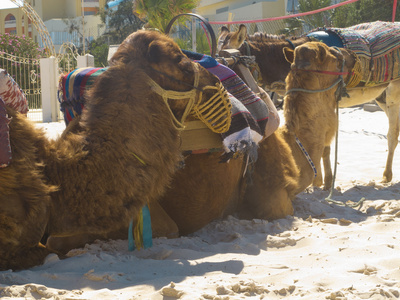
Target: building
pixel 66 20
pixel 14 21
pixel 239 10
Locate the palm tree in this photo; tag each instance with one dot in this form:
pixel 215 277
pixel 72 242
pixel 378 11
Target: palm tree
pixel 158 13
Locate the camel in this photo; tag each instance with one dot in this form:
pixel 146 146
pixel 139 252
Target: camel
pixel 268 52
pixel 203 190
pixel 97 179
pixel 283 169
pixel 199 192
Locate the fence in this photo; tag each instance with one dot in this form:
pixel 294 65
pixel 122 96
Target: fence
pixel 26 72
pixel 38 79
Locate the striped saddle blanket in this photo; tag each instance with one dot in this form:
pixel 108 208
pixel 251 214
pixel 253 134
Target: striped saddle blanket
pixel 71 90
pixel 377 44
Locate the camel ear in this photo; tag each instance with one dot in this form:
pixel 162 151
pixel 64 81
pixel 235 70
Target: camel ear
pixel 242 33
pixel 289 54
pixel 154 52
pixel 224 29
pixel 322 54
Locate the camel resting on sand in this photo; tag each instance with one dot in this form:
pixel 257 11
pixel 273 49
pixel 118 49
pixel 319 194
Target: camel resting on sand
pixel 280 172
pixel 123 156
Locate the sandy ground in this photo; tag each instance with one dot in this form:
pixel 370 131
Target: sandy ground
pixel 324 251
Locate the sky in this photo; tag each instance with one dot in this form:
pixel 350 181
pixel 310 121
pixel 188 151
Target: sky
pixel 6 4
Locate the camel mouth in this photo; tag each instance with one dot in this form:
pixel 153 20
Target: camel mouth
pixel 304 65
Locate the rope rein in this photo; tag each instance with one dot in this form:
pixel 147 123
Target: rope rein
pixel 308 157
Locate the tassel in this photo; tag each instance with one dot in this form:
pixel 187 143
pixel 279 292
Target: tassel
pixel 141 235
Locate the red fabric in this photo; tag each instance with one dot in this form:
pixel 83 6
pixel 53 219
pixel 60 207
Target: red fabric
pixel 11 93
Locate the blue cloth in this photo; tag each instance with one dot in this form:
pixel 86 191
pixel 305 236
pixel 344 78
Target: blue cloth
pixel 327 37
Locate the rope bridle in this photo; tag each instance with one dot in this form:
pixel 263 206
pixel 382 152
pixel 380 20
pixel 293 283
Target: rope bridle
pixel 215 112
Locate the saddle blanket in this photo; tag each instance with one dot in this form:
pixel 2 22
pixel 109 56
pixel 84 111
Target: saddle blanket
pixel 71 90
pixel 377 44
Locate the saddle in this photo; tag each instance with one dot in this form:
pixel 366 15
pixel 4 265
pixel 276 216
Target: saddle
pixel 376 44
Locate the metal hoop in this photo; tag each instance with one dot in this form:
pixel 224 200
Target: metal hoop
pixel 208 26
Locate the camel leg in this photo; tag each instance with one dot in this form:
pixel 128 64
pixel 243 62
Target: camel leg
pixel 162 226
pixel 391 107
pixel 318 180
pixel 392 136
pixel 327 167
pixel 327 170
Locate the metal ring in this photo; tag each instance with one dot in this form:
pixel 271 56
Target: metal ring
pixel 209 28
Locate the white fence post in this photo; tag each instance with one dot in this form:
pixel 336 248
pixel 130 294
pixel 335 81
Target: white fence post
pixel 84 61
pixel 49 81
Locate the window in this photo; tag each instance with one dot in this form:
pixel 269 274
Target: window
pixel 10 17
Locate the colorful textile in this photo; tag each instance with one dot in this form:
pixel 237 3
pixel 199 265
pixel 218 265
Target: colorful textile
pixel 5 148
pixel 249 112
pixel 377 44
pixel 71 90
pixel 11 93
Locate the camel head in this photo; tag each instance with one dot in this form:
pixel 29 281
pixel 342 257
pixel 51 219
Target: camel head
pixel 316 57
pixel 315 75
pixel 187 88
pixel 231 40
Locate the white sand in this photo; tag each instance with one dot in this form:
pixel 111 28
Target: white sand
pixel 324 251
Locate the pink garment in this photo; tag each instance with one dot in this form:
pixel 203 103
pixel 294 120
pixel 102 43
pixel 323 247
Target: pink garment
pixel 12 94
pixel 5 148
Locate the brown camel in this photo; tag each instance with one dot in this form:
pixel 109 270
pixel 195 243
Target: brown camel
pixel 268 51
pixel 282 169
pixel 123 156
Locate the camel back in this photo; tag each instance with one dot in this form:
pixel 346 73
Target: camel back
pixel 376 44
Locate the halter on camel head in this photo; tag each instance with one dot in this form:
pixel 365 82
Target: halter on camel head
pixel 215 112
pixel 353 80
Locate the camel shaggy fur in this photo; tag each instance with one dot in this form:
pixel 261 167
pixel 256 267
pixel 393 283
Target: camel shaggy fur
pixel 274 68
pixel 123 157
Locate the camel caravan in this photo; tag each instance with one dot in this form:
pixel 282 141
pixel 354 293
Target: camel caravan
pixel 131 149
pixel 374 75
